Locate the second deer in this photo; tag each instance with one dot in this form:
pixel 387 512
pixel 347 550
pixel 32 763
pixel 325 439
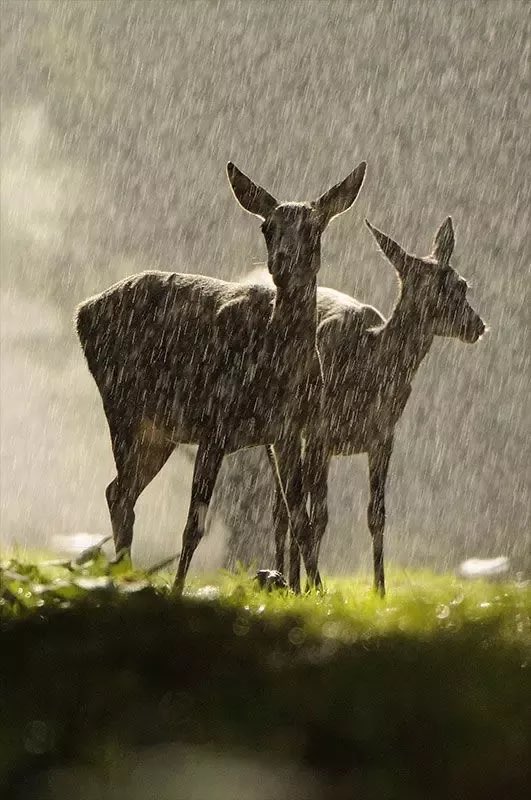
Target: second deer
pixel 183 358
pixel 368 366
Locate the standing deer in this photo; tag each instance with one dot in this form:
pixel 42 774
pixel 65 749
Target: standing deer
pixel 368 366
pixel 183 358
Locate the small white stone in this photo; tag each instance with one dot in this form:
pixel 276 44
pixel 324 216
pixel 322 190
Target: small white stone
pixel 484 567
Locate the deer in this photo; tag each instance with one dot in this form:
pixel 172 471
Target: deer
pixel 189 359
pixel 368 367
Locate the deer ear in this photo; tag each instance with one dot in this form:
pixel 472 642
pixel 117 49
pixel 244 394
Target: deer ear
pixel 341 196
pixel 444 242
pixel 249 195
pixel 391 249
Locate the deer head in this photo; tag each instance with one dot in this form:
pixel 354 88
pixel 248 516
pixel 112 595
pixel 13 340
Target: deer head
pixel 432 287
pixel 292 231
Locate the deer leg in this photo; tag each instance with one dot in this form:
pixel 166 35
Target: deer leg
pixel 121 504
pixel 289 459
pixel 206 468
pixel 137 462
pixel 317 465
pixel 379 457
pixel 280 513
pixel 282 525
pixel 281 522
pixel 294 563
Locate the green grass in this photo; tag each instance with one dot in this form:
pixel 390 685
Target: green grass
pixel 424 693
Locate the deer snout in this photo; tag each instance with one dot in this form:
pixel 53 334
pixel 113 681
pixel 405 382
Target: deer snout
pixel 281 278
pixel 474 330
pixel 283 269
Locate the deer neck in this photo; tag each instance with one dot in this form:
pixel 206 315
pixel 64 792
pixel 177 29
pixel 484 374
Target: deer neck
pixel 405 339
pixel 295 314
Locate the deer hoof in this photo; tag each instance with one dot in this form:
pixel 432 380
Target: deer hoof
pixel 124 554
pixel 177 587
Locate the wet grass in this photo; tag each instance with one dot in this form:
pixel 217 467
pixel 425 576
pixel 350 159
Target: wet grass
pixel 424 693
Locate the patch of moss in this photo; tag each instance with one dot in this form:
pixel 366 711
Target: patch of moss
pixel 425 693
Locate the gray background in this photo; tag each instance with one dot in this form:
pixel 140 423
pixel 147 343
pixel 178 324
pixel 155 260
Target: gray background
pixel 117 121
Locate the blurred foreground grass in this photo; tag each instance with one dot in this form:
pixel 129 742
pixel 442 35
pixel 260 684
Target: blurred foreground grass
pixel 426 693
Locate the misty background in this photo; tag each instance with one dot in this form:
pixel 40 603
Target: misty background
pixel 117 122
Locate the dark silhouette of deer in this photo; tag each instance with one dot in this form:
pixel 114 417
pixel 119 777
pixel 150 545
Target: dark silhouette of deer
pixel 183 358
pixel 368 367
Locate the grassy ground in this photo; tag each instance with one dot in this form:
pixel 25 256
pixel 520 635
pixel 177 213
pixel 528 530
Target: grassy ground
pixel 426 693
